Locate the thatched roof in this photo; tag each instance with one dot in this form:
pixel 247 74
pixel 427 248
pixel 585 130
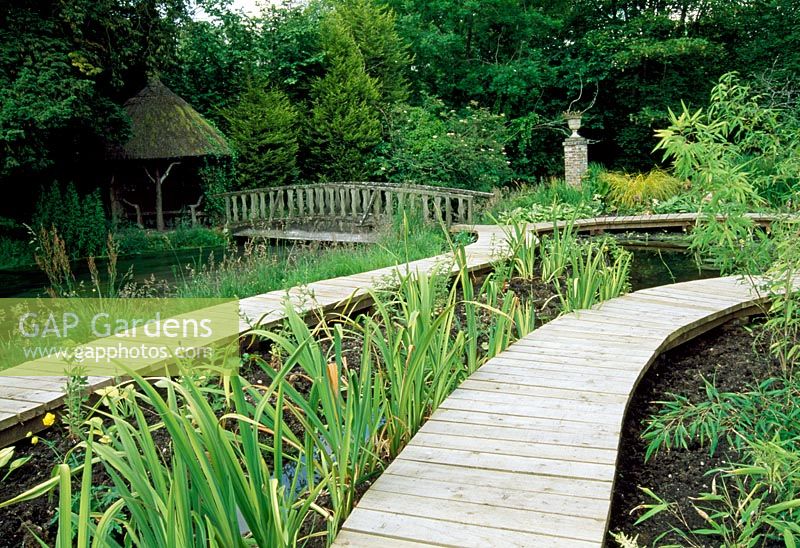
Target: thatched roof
pixel 164 126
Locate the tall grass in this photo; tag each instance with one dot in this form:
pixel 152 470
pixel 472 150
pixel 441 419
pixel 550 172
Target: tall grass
pixel 555 251
pixel 630 191
pixel 340 415
pixel 598 271
pixel 255 466
pixel 582 272
pixel 210 486
pixel 260 268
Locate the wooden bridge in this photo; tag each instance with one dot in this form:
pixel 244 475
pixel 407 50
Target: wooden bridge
pixel 344 211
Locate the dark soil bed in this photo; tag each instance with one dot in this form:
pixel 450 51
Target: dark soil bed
pixel 728 357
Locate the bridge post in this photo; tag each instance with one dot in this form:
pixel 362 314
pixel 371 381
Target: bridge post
pixel 228 217
pixel 425 212
pixel 254 210
pixel 235 208
pixel 291 203
pixel 355 202
pixel 300 204
pixel 376 206
pixel 365 194
pixel 273 201
pixel 389 203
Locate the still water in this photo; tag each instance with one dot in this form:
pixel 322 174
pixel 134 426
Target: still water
pixel 651 266
pixel 169 266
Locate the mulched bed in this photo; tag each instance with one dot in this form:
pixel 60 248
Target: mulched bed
pixel 727 356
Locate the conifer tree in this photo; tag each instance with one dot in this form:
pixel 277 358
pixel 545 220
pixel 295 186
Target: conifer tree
pixel 264 131
pixel 345 123
pixel 385 53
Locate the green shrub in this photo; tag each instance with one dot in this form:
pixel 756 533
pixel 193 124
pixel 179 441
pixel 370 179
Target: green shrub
pixel 639 191
pixel 217 175
pixel 14 252
pixel 80 221
pixel 742 149
pixel 543 202
pixel 687 202
pixel 432 145
pixel 385 53
pixel 594 182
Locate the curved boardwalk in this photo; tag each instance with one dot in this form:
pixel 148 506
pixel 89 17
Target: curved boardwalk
pixel 24 399
pixel 523 453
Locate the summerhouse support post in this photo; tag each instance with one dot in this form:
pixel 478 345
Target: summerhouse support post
pixel 159 181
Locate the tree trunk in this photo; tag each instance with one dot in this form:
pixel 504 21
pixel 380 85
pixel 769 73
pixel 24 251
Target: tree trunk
pixel 159 203
pixel 158 180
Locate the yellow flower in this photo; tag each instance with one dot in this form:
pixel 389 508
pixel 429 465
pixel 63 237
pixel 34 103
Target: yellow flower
pixel 34 440
pixel 49 419
pixel 104 439
pixel 29 434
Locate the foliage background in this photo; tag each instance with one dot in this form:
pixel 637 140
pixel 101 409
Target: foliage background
pixel 66 68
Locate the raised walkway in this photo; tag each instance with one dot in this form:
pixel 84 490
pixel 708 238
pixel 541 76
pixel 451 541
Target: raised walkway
pixel 23 399
pixel 524 452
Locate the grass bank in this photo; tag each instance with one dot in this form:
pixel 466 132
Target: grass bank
pixel 260 268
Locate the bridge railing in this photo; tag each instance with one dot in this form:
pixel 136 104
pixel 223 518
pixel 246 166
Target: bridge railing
pixel 360 202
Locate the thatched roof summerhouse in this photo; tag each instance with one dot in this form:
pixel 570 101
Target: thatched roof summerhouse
pixel 166 129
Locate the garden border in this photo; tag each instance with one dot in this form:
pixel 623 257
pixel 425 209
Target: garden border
pixel 24 399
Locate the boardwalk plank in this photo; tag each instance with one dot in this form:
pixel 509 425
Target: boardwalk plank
pixel 480 383
pixel 511 519
pixel 463 439
pixel 442 533
pixel 506 496
pixel 567 470
pixel 446 425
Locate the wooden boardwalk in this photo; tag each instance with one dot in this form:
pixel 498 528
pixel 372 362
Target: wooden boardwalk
pixel 523 453
pixel 24 398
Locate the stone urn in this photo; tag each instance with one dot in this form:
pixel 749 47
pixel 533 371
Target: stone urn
pixel 574 122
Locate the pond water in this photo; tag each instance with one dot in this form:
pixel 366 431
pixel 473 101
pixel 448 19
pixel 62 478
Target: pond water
pixel 30 282
pixel 652 265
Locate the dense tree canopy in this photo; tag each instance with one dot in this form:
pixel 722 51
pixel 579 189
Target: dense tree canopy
pixel 66 67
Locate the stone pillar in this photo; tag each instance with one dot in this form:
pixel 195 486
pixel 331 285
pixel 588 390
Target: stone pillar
pixel 576 154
